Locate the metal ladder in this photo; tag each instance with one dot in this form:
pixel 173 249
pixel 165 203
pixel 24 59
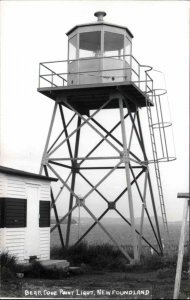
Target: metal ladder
pixel 157 171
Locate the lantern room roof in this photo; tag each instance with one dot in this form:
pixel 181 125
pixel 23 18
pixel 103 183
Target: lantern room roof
pixel 98 24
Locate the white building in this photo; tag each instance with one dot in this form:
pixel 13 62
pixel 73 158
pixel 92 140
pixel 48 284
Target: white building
pixel 25 214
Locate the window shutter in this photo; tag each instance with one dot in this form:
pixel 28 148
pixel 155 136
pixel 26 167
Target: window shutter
pixel 1 212
pixel 44 220
pixel 13 212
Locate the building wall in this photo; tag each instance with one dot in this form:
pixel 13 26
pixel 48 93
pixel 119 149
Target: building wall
pixel 14 240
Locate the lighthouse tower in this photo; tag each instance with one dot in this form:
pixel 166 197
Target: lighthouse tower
pixel 100 79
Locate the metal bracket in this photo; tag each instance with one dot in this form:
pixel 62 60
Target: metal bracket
pixel 124 156
pixel 80 201
pixel 111 205
pixel 60 99
pixel 144 205
pixel 75 167
pixel 115 95
pixel 45 160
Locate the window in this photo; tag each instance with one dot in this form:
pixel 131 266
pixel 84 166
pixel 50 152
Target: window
pixel 44 220
pixel 113 44
pixel 12 212
pixel 128 47
pixel 73 47
pixel 128 58
pixel 90 44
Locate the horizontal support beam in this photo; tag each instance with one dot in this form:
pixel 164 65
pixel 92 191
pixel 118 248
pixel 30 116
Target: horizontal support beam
pixel 86 158
pixel 107 168
pixel 58 164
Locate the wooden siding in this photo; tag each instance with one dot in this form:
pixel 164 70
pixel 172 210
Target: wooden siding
pixel 2 185
pixel 44 231
pixel 45 192
pixel 1 212
pixel 16 187
pixel 14 242
pixel 45 243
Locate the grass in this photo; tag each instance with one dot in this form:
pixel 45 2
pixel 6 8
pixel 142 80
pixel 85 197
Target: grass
pixel 109 258
pixel 36 270
pixel 92 257
pixel 97 257
pixel 10 267
pixel 105 267
pixel 8 264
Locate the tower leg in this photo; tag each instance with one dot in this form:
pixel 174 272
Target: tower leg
pixel 127 171
pixel 125 157
pixel 55 211
pixel 48 137
pixel 142 213
pixel 73 182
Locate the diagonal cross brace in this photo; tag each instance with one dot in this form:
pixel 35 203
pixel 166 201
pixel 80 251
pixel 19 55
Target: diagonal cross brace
pixel 103 197
pixel 63 218
pixel 101 141
pixel 64 182
pixel 59 193
pixel 86 121
pixel 137 231
pixel 91 227
pixel 56 140
pixel 108 234
pixel 102 215
pixel 95 187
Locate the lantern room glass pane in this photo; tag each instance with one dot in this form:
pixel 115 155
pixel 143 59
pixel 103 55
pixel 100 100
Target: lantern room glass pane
pixel 73 47
pixel 90 44
pixel 128 51
pixel 128 47
pixel 113 44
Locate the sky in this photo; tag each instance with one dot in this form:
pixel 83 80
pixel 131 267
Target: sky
pixel 34 31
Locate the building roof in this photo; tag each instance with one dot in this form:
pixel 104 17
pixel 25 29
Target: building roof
pixel 20 173
pixel 100 23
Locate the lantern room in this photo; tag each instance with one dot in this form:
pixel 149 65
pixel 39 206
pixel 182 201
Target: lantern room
pixel 99 52
pixel 99 60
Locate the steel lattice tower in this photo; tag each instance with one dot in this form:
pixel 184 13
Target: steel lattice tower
pixel 95 80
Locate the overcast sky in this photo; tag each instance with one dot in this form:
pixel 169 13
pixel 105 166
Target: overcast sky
pixel 34 31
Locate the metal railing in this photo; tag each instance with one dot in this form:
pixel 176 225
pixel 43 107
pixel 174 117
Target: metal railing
pixel 57 73
pixel 61 73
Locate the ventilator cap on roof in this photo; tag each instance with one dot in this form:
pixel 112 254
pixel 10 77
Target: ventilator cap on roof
pixel 100 15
